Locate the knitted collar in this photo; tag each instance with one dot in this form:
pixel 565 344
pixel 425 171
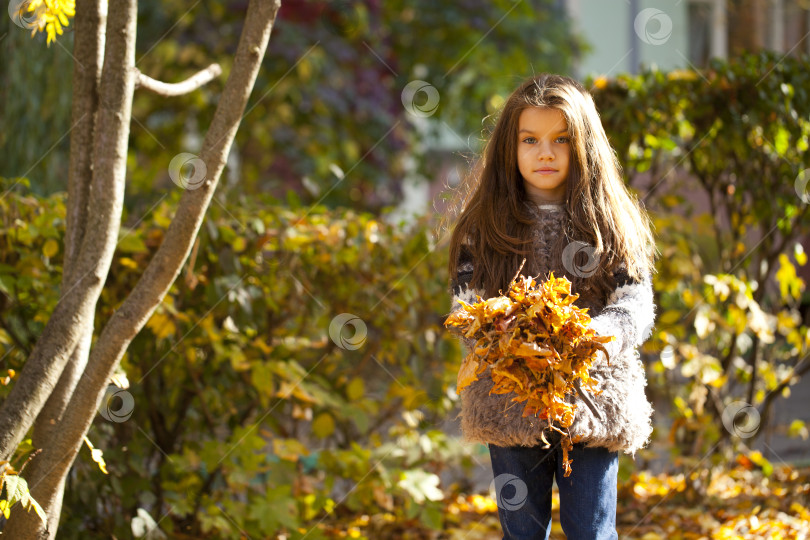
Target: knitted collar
pixel 546 206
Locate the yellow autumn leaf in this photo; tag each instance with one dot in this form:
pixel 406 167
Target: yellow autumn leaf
pixel 129 263
pixel 289 449
pixel 790 285
pixel 323 425
pixel 161 325
pixel 671 316
pixel 799 254
pixel 466 375
pixel 50 248
pixel 97 455
pixel 355 389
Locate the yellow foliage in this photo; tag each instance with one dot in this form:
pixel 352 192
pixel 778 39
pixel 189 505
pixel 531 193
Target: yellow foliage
pixel 97 455
pixel 51 16
pixel 161 325
pixel 50 248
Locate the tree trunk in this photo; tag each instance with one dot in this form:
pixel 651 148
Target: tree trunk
pixel 89 264
pixel 47 471
pixel 88 45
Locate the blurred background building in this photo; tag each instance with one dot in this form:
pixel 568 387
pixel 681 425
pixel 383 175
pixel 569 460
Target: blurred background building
pixel 627 34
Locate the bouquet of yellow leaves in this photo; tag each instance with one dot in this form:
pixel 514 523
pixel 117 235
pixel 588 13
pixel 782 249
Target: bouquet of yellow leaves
pixel 537 344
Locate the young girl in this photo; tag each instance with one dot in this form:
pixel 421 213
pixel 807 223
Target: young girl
pixel 549 188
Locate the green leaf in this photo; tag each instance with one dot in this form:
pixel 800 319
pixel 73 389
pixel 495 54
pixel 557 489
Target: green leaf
pixel 130 242
pixel 7 283
pixel 781 141
pixel 16 489
pixel 433 517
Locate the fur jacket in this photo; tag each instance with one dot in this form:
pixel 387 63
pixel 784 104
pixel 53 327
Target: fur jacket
pixel 621 417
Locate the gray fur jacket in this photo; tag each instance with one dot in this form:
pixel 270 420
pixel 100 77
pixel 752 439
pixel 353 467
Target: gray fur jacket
pixel 624 414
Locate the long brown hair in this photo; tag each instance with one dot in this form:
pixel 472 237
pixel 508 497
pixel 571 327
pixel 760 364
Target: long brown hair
pixel 495 224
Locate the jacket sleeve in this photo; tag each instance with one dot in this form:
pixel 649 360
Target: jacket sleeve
pixel 629 313
pixel 460 288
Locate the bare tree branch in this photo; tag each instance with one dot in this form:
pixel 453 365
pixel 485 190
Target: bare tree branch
pixel 194 82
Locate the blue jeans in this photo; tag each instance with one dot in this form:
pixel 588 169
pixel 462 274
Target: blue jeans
pixel 523 480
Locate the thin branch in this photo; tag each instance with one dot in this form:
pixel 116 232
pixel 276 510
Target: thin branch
pixel 754 354
pixel 718 233
pixel 726 361
pixel 18 341
pixel 194 82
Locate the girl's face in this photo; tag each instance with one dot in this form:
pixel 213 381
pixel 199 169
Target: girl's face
pixel 543 153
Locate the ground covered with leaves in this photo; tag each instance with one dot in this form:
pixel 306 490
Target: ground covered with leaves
pixel 745 501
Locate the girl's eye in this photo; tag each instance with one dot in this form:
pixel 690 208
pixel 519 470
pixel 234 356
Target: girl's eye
pixel 565 139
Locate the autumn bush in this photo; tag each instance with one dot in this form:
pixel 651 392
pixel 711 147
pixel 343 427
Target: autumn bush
pixel 246 392
pixel 720 158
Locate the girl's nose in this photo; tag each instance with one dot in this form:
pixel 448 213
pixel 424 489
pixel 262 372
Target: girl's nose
pixel 545 152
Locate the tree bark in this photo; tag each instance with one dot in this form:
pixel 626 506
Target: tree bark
pixel 89 46
pixel 46 473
